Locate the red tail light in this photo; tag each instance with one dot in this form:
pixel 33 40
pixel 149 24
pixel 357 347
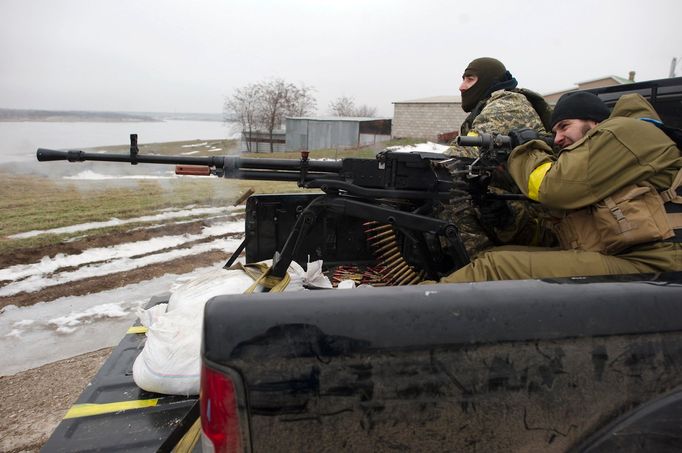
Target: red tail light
pixel 219 412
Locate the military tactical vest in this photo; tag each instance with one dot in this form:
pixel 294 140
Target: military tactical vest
pixel 633 215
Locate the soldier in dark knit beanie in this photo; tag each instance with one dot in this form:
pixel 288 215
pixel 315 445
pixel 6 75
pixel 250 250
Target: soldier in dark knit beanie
pixel 574 114
pixel 580 105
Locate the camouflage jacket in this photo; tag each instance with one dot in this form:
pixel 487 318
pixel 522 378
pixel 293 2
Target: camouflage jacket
pixel 502 112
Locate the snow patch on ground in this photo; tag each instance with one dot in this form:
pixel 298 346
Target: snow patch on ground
pixel 39 281
pixel 49 331
pixel 69 326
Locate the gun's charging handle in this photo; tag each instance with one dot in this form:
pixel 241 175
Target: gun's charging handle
pixel 193 170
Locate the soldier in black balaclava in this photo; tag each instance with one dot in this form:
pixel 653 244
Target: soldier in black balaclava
pixel 495 106
pixel 483 77
pixel 479 79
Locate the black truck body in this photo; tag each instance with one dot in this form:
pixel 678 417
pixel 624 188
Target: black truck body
pixel 498 366
pixel 574 364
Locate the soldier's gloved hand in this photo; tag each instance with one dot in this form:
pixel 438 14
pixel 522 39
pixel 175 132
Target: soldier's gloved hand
pixel 459 168
pixel 521 136
pixel 495 213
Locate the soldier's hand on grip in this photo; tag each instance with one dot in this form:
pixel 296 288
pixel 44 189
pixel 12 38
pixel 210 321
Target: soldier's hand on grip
pixel 521 136
pixel 495 213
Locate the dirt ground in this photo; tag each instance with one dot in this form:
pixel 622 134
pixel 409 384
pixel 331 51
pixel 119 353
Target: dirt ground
pixel 34 401
pixel 115 280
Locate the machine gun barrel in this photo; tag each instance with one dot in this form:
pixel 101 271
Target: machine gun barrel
pixel 222 162
pixel 391 175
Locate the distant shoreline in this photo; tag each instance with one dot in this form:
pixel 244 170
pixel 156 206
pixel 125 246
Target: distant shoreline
pixel 74 120
pixel 64 116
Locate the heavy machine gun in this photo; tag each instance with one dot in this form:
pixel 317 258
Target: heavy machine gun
pixel 396 189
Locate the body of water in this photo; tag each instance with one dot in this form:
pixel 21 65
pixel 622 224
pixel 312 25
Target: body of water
pixel 19 140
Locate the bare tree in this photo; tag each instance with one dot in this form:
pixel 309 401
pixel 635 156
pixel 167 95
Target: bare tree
pixel 342 106
pixel 264 105
pixel 302 101
pixel 274 103
pixel 279 99
pixel 345 106
pixel 366 111
pixel 244 105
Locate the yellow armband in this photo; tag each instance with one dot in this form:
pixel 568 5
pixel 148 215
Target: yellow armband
pixel 535 180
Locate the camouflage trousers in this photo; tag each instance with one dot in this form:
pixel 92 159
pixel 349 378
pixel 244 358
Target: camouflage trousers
pixel 526 225
pixel 460 210
pixel 519 222
pixel 461 213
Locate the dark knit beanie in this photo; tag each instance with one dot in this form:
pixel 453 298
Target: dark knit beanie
pixel 580 105
pixel 489 71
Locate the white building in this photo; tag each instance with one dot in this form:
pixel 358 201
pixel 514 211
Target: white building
pixel 427 118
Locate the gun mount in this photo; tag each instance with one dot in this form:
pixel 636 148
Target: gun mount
pixel 396 189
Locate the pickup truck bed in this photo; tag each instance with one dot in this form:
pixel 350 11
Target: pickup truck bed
pixel 589 364
pixel 114 414
pixel 499 366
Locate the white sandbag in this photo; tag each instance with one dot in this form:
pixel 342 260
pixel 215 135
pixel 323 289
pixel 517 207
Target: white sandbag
pixel 197 291
pixel 346 284
pixel 296 277
pixel 315 278
pixel 170 361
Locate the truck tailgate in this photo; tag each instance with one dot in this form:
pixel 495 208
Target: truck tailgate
pixel 114 414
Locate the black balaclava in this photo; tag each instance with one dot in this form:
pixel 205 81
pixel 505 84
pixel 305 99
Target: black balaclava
pixel 489 72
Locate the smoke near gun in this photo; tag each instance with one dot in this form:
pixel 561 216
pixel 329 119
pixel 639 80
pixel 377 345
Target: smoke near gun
pixel 20 139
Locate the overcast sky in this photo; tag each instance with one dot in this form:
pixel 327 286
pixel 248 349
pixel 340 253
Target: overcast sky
pixel 186 56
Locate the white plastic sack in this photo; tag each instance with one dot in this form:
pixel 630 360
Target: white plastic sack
pixel 346 284
pixel 314 276
pixel 170 361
